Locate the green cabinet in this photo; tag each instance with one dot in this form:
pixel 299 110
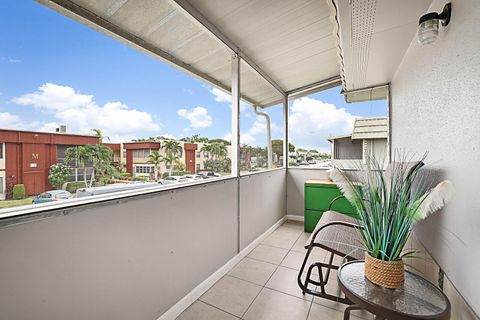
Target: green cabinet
pixel 318 196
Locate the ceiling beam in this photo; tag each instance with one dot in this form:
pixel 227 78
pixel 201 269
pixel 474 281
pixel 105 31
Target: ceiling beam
pixel 86 17
pixel 191 11
pixel 315 87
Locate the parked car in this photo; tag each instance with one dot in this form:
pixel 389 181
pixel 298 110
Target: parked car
pixel 174 180
pixel 193 177
pixel 209 174
pixel 52 195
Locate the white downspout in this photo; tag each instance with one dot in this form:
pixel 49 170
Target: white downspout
pixel 269 135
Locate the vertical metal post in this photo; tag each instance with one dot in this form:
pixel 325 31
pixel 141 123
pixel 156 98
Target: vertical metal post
pixel 285 132
pixel 235 115
pixel 236 134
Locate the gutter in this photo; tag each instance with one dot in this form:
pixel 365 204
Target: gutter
pixel 269 135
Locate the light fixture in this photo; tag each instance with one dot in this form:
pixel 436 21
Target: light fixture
pixel 429 24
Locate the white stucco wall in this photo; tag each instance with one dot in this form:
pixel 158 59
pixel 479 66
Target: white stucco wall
pixel 436 108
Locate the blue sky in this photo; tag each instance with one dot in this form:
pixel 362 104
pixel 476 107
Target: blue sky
pixel 54 71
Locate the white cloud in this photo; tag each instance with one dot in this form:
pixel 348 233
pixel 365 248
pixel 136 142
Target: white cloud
pixel 198 117
pixel 11 121
pixel 220 95
pixel 81 113
pixel 224 97
pixel 312 121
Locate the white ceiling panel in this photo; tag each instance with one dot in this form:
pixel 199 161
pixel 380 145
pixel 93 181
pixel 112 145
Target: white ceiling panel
pixel 374 36
pixel 288 43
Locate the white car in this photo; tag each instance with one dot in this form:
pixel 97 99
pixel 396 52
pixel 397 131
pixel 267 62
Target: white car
pixel 174 180
pixel 193 177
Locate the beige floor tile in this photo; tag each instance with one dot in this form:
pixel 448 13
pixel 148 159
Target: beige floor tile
pixel 202 311
pixel 285 280
pixel 282 238
pixel 294 259
pixel 253 270
pixel 273 305
pixel 231 295
pixel 320 312
pixel 300 243
pixel 297 225
pixel 268 254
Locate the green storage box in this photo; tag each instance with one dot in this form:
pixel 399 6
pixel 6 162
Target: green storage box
pixel 318 196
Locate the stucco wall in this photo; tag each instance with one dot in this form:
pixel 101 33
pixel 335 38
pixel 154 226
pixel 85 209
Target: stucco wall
pixel 262 203
pixel 131 260
pixel 435 96
pixel 296 178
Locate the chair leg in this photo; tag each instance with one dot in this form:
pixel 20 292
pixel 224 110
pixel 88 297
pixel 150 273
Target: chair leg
pixel 346 314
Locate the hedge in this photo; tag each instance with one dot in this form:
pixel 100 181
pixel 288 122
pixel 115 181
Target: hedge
pixel 18 192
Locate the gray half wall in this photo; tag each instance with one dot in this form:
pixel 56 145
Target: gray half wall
pixel 132 260
pixel 296 178
pixel 262 203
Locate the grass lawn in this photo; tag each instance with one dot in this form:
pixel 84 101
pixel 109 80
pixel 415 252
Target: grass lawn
pixel 14 203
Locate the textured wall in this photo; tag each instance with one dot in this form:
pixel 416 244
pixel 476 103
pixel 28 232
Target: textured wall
pixel 262 203
pixel 435 107
pixel 296 178
pixel 132 260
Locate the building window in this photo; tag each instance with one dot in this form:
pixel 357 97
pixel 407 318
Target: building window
pixel 1 150
pixel 141 154
pixel 198 154
pixel 1 185
pixel 143 169
pixel 198 167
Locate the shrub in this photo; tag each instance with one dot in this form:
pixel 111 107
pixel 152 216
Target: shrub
pixel 18 192
pixel 140 179
pixel 124 175
pixel 73 186
pixel 58 175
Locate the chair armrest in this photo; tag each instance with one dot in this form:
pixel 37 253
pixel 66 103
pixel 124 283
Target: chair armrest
pixel 333 223
pixel 333 201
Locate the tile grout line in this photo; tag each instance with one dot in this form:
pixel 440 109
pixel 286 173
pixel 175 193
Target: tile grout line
pixel 211 305
pixel 278 265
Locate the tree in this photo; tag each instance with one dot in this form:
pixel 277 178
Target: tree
pixel 58 175
pixel 277 148
pixel 102 158
pixel 100 135
pixel 155 158
pixel 291 147
pixel 172 150
pixel 81 155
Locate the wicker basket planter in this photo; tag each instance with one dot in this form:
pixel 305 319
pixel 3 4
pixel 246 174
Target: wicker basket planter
pixel 388 274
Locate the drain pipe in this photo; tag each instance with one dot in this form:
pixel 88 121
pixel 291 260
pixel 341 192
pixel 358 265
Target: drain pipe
pixel 269 135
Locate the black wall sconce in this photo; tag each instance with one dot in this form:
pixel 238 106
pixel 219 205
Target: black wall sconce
pixel 429 24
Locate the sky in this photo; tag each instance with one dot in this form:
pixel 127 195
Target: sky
pixel 56 71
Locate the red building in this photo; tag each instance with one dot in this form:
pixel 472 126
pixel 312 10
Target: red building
pixel 136 155
pixel 27 156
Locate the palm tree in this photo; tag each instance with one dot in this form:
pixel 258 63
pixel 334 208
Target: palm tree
pixel 155 158
pixel 100 135
pixel 101 157
pixel 172 150
pixel 81 155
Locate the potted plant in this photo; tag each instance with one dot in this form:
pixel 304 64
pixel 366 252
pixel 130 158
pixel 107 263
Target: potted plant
pixel 389 203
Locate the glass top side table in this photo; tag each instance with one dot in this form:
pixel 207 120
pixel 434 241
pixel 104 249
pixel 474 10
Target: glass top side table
pixel 418 299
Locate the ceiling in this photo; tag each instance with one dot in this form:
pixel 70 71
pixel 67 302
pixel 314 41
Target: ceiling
pixel 287 47
pixel 374 36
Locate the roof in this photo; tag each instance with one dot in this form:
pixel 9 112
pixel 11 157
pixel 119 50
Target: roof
pixel 287 48
pixel 339 137
pixel 370 128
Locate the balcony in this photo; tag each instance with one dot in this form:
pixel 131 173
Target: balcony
pixel 230 248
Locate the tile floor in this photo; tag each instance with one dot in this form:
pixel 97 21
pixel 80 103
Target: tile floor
pixel 263 285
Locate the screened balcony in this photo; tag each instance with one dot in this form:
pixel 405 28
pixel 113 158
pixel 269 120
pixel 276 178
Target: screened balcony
pixel 229 248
